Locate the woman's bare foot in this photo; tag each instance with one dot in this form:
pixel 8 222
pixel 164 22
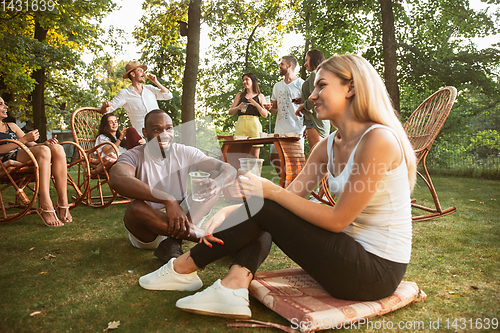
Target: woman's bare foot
pixel 63 212
pixel 49 217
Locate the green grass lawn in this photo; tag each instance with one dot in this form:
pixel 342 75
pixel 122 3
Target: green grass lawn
pixel 84 275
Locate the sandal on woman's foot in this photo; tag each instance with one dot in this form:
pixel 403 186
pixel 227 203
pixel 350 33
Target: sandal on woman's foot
pixel 64 217
pixel 56 223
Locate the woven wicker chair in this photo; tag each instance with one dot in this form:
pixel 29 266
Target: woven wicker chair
pixel 19 183
pixel 85 126
pixel 19 186
pixel 422 128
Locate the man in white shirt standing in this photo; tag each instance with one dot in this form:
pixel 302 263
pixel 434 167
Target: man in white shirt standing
pixel 139 98
pixel 283 94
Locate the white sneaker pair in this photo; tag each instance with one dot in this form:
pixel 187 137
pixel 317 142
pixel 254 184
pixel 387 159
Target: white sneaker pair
pixel 216 300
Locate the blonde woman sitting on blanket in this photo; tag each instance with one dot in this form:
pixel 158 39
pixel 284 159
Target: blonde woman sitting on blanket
pixel 357 250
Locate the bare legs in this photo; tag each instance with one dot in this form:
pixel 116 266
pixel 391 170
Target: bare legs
pixel 59 172
pixel 237 277
pixel 51 160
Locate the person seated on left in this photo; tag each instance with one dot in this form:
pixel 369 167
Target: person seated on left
pixel 109 132
pixel 51 159
pixel 154 176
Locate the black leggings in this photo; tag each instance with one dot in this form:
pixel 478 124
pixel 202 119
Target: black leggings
pixel 335 260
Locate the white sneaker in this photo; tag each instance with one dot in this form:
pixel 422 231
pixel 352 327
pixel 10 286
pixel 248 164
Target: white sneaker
pixel 165 278
pixel 218 300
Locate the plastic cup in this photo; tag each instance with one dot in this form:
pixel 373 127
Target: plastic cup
pixel 252 165
pixel 196 178
pixel 267 100
pixel 244 108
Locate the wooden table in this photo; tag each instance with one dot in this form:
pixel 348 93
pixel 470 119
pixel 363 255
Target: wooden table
pixel 290 153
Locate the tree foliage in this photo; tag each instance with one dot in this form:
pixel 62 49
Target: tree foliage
pixel 436 50
pixel 434 47
pixel 52 42
pixel 245 37
pixel 163 48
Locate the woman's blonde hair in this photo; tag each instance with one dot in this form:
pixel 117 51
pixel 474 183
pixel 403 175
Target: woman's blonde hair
pixel 371 102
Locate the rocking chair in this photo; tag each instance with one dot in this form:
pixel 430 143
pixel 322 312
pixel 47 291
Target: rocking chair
pixel 422 128
pixel 84 125
pixel 19 183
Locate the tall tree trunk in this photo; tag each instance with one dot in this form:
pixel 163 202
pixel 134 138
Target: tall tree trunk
pixel 303 73
pixel 38 95
pixel 390 57
pixel 191 73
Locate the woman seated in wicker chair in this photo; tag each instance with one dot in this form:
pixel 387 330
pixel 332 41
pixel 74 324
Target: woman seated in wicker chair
pixel 109 132
pixel 51 160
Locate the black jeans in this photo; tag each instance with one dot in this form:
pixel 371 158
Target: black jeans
pixel 335 260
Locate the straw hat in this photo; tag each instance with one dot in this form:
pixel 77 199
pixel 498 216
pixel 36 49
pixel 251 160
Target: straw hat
pixel 131 66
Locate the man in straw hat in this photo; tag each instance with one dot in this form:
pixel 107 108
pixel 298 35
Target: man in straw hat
pixel 137 100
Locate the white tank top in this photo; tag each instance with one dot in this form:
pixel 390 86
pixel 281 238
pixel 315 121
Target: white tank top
pixel 384 227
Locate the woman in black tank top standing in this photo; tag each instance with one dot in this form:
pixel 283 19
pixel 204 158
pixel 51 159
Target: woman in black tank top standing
pixel 249 105
pixel 51 160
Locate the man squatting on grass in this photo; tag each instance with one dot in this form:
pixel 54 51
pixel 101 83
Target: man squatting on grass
pixel 154 176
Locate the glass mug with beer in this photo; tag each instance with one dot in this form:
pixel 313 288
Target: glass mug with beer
pixel 267 102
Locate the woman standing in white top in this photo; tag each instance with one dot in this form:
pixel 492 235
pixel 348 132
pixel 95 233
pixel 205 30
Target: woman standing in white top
pixel 357 250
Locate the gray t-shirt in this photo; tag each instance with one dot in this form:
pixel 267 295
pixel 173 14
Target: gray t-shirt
pixel 169 174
